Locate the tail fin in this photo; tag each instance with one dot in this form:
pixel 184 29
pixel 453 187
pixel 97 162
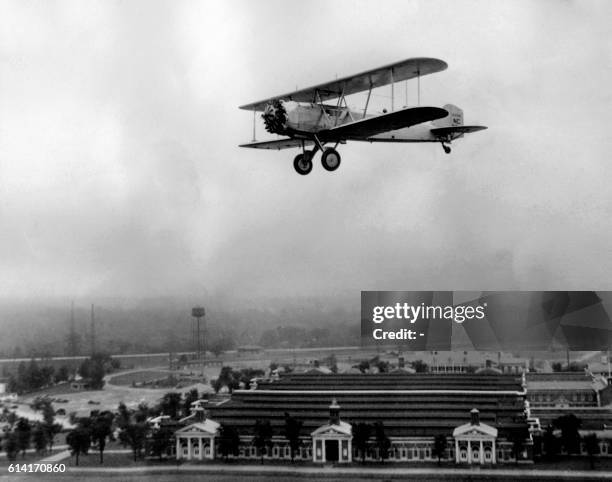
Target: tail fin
pixel 453 119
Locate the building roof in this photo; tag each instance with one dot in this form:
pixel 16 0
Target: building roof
pixel 481 428
pixel 560 385
pixel 340 428
pixel 209 427
pixel 407 404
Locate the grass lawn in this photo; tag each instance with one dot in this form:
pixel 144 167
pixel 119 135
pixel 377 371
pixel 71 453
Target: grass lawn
pixel 92 459
pixel 139 377
pixel 127 460
pixel 30 458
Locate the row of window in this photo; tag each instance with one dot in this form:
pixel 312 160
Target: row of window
pixel 553 396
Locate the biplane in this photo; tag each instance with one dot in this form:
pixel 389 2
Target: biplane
pixel 308 119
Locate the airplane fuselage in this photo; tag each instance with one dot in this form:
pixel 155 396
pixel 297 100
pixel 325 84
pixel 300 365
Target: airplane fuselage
pixel 303 120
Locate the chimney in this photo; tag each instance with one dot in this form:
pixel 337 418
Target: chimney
pixel 334 413
pixel 475 416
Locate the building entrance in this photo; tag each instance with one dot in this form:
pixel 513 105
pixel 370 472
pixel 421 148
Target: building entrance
pixel 331 450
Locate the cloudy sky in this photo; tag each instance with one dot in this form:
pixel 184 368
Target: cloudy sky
pixel 120 173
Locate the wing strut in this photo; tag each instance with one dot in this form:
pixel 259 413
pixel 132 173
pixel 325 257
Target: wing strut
pixel 419 87
pixel 392 91
pixel 254 116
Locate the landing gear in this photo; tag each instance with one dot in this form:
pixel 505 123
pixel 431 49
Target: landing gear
pixel 303 163
pixel 330 159
pixel 446 148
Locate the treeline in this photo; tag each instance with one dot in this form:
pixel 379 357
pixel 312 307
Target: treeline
pixel 21 434
pixel 334 334
pixel 33 376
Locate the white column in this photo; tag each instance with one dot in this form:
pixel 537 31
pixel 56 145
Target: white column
pixel 469 452
pixel 481 452
pixel 323 450
pixel 188 448
pixel 178 448
pixel 493 452
pixel 456 451
pixel 212 448
pixel 350 450
pixel 200 448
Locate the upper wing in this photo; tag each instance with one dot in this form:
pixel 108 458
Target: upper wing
pixel 455 131
pixel 278 144
pixel 404 70
pixel 383 123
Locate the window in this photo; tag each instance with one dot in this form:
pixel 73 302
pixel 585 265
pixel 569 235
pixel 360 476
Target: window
pixel 487 455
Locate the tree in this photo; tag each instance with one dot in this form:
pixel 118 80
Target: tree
pixel 229 441
pixel 94 369
pixel 570 437
pixel 591 444
pixel 51 428
pixel 11 419
pixel 134 435
pixel 160 441
pixel 550 443
pixel 62 375
pixel 123 416
pixel 101 429
pixel 23 431
pixel 39 437
pixel 170 404
pixel 226 378
pixel 79 441
pixel 11 446
pixel 361 436
pixel 293 427
pixel 382 441
pixel 419 366
pixel 190 397
pixel 439 446
pixel 383 366
pixel 263 437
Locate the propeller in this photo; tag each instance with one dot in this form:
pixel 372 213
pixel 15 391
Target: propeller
pixel 275 117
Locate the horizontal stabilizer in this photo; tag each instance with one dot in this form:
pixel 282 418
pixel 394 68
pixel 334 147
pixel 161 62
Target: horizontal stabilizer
pixel 383 123
pixel 455 132
pixel 278 144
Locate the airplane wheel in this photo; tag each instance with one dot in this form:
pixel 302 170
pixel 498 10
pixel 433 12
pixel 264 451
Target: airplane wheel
pixel 447 149
pixel 330 159
pixel 303 165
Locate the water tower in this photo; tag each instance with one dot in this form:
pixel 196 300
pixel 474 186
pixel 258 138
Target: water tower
pixel 198 334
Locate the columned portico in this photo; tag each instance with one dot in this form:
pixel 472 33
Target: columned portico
pixel 333 442
pixel 197 441
pixel 475 442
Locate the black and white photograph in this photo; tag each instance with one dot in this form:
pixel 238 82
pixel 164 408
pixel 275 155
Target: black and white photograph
pixel 280 240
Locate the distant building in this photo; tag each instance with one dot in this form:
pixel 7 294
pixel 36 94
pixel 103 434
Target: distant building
pixel 561 389
pixel 249 350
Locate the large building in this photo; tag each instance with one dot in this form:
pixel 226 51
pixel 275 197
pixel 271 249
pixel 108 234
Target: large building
pixel 479 416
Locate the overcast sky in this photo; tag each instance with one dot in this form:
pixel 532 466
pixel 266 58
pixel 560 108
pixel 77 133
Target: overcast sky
pixel 120 173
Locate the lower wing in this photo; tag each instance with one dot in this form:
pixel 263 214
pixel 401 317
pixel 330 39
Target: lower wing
pixel 391 121
pixel 279 144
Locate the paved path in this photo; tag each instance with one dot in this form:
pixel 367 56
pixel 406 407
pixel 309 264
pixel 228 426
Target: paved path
pixel 55 457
